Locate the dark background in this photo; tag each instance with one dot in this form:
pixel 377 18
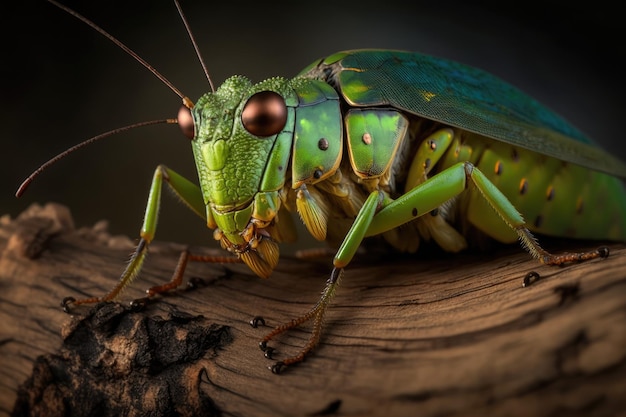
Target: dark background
pixel 63 83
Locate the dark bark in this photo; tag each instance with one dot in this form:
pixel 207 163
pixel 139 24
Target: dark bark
pixel 447 335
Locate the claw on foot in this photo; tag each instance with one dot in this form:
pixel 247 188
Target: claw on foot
pixel 603 251
pixel 269 353
pixel 561 260
pixel 66 303
pixel 316 314
pixel 277 368
pixel 567 258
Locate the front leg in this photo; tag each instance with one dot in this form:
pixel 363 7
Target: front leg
pixel 346 252
pixel 191 195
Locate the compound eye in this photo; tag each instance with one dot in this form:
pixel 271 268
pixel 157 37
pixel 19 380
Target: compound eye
pixel 265 114
pixel 185 121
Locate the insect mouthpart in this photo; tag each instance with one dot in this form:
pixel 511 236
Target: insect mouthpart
pixel 259 251
pixel 242 231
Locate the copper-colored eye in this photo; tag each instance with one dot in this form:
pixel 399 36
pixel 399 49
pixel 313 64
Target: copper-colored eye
pixel 185 121
pixel 265 114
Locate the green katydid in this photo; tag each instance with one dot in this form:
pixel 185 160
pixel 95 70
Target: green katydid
pixel 367 143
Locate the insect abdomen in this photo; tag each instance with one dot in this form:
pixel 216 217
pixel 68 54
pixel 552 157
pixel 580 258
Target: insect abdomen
pixel 555 197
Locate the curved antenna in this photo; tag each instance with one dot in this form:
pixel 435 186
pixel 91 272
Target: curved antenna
pixel 195 45
pixel 74 148
pixel 124 48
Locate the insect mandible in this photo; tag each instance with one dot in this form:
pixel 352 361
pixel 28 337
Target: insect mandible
pixel 377 143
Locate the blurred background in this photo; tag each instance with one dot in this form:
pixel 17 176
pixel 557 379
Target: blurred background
pixel 62 82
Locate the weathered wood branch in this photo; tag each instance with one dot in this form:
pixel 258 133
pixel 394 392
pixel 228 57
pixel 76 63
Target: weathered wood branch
pixel 420 337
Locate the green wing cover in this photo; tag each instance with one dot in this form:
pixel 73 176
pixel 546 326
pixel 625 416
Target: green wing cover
pixel 460 96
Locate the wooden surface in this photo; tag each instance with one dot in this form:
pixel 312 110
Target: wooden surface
pixel 448 336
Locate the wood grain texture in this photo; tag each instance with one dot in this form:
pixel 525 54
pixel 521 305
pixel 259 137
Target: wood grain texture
pixel 445 336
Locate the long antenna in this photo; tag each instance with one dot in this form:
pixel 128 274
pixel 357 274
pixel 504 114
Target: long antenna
pixel 74 148
pixel 123 47
pixel 186 101
pixel 195 44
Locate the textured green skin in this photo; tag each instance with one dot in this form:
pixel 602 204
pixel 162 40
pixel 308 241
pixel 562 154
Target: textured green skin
pixel 502 124
pixel 373 159
pixel 224 151
pixel 236 168
pixel 550 172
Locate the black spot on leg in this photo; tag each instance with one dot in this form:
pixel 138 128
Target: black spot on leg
pixel 538 221
pixel 414 212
